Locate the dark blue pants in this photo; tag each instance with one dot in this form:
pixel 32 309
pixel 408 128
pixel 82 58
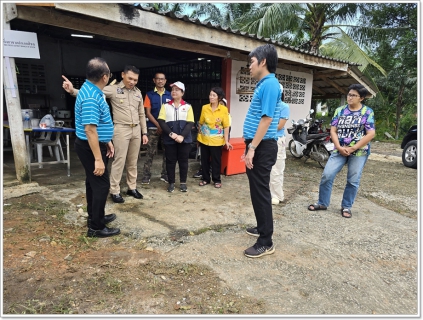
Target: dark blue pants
pixel 96 187
pixel 259 179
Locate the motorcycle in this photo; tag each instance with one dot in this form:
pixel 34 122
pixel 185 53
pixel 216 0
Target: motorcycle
pixel 312 143
pixel 316 126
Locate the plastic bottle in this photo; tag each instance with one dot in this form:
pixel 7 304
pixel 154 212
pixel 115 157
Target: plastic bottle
pixel 27 121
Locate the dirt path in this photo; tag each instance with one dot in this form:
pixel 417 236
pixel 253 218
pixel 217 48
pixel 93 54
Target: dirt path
pixel 182 253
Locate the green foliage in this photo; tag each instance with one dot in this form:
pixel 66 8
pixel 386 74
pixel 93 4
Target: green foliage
pixel 380 37
pixel 166 7
pixel 396 103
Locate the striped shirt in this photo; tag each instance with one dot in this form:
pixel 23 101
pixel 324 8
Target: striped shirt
pixel 92 108
pixel 265 100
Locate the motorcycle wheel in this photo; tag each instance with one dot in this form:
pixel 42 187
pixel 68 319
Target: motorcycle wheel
pixel 293 149
pixel 324 151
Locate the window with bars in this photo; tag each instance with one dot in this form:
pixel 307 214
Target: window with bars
pixel 31 77
pixel 294 89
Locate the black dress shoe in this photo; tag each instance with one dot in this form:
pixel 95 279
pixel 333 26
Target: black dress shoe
pixel 107 219
pixel 106 232
pixel 117 198
pixel 135 194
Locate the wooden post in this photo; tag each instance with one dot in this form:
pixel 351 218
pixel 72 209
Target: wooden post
pixel 226 80
pixel 20 155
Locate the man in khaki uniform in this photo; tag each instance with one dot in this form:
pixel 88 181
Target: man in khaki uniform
pixel 129 126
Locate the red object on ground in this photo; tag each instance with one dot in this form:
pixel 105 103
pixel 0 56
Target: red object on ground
pixel 232 160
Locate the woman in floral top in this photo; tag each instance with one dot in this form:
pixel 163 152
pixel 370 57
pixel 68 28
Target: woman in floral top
pixel 352 129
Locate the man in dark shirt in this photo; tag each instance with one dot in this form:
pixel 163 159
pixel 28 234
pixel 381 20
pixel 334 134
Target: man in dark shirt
pixel 153 102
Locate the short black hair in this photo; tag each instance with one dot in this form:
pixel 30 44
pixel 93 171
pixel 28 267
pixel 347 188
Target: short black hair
pixel 362 91
pixel 268 52
pixel 159 72
pixel 96 68
pixel 219 91
pixel 134 69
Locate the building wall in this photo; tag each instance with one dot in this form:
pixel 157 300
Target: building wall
pixel 297 88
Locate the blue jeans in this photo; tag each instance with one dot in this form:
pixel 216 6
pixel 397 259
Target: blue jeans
pixel 335 163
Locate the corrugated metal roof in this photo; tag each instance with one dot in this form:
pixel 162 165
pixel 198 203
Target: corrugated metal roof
pixel 237 32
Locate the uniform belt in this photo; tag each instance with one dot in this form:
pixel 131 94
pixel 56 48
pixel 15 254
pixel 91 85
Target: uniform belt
pixel 129 124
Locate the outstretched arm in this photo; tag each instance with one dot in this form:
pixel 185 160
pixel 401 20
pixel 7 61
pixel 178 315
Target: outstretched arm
pixel 68 86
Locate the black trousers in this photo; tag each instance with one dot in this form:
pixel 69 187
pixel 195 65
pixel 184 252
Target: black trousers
pixel 178 152
pixel 96 187
pixel 215 154
pixel 259 179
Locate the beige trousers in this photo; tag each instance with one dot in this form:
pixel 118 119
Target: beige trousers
pixel 127 143
pixel 276 175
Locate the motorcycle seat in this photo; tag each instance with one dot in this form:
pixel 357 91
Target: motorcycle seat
pixel 317 135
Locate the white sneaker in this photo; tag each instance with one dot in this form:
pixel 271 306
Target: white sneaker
pixel 275 201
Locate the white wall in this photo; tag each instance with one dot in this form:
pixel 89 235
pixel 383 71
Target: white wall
pixel 298 90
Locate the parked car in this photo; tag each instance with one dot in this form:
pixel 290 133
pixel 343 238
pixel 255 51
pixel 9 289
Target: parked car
pixel 409 146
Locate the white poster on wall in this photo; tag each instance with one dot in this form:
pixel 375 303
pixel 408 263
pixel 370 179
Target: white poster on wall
pixel 19 44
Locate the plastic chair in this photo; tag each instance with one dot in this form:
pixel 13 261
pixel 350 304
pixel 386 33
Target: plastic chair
pixel 43 136
pixel 39 144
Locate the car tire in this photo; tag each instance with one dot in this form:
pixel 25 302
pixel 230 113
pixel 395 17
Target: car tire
pixel 409 154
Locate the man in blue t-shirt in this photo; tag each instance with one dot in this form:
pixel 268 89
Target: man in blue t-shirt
pixel 94 131
pixel 260 134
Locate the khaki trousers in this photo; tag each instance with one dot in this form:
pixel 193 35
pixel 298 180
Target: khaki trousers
pixel 127 143
pixel 276 175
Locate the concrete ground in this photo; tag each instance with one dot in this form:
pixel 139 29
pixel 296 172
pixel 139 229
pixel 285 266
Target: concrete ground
pixel 324 264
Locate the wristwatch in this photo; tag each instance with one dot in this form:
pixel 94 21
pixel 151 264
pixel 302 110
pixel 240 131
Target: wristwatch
pixel 250 146
pixel 170 134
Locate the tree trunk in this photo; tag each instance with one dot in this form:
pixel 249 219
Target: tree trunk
pixel 399 108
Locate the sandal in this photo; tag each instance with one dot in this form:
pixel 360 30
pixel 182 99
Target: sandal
pixel 316 207
pixel 346 211
pixel 203 183
pixel 217 185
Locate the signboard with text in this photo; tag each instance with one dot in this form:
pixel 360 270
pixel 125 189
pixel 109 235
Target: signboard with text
pixel 19 44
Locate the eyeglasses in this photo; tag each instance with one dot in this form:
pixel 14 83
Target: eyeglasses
pixel 352 95
pixel 160 79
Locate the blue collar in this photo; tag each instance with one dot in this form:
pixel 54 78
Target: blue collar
pixel 92 85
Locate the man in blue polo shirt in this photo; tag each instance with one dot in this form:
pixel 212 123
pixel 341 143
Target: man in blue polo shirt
pixel 260 134
pixel 94 131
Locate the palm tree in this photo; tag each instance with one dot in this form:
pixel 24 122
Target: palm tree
pixel 223 14
pixel 165 7
pixel 325 28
